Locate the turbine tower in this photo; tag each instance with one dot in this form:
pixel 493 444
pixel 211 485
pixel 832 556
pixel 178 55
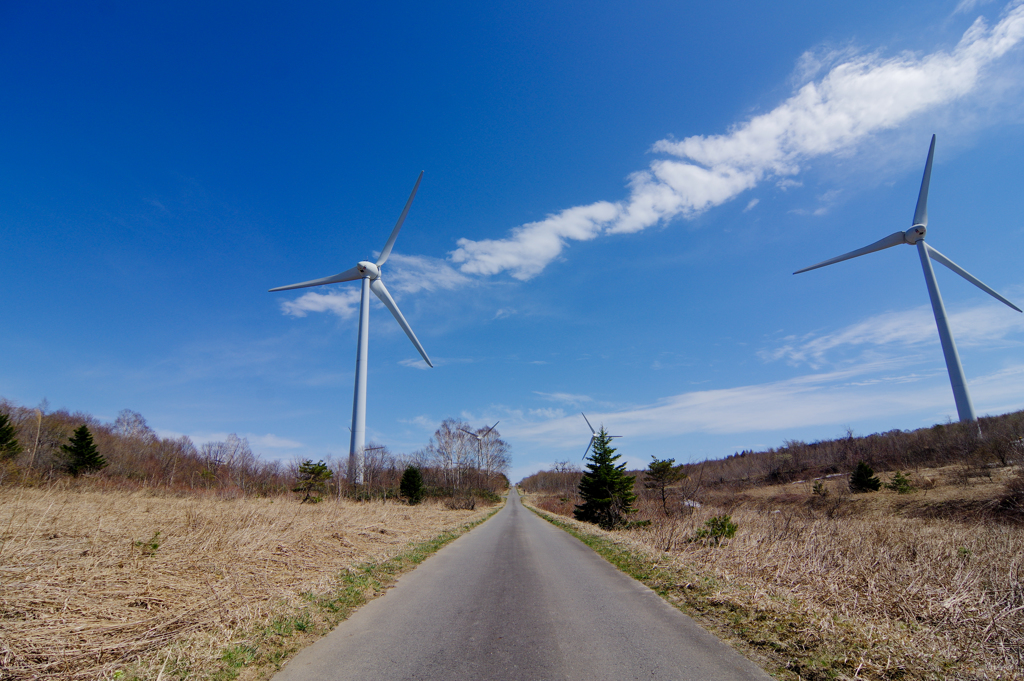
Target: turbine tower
pixel 593 435
pixel 370 274
pixel 915 237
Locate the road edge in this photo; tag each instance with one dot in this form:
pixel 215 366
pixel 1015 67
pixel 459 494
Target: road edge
pixel 649 573
pixel 260 653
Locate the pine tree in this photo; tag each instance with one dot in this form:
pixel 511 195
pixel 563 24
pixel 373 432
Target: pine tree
pixel 313 479
pixel 863 479
pixel 606 490
pixel 9 445
pixel 81 455
pixel 411 486
pixel 660 474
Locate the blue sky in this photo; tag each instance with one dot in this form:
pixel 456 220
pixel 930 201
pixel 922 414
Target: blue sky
pixel 614 200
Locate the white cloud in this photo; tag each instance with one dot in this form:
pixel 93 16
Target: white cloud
pixel 860 95
pixel 414 363
pixel 750 206
pixel 987 325
pixel 342 302
pixel 969 5
pixel 404 274
pixel 271 441
pixel 869 391
pixel 567 398
pixel 414 273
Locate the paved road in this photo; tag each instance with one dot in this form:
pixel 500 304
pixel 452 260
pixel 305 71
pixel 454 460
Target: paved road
pixel 517 598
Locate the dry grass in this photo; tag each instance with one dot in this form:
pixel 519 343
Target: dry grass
pixel 91 581
pixel 875 586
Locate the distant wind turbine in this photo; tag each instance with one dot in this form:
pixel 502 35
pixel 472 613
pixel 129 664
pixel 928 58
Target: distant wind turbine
pixel 479 444
pixel 915 236
pixel 370 273
pixel 593 436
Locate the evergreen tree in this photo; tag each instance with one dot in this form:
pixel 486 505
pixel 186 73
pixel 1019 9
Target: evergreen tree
pixel 863 479
pixel 81 455
pixel 411 486
pixel 9 445
pixel 660 474
pixel 900 484
pixel 313 479
pixel 606 490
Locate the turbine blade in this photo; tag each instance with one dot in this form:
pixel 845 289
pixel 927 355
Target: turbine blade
pixel 467 432
pixel 921 212
pixel 938 257
pixel 588 424
pixel 401 218
pixel 490 429
pixel 378 287
pixel 347 275
pixel 588 447
pixel 894 239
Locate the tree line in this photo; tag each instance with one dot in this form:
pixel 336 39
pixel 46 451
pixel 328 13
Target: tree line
pixel 38 445
pixel 604 493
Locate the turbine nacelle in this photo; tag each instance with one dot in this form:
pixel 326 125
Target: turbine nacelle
pixel 368 270
pixel 915 234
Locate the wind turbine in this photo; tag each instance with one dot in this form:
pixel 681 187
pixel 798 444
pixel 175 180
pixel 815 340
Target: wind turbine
pixel 370 274
pixel 593 436
pixel 479 444
pixel 915 236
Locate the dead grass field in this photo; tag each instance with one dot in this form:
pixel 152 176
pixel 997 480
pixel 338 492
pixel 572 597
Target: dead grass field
pixel 870 586
pixel 91 581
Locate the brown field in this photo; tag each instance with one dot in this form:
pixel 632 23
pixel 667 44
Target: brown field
pixel 94 580
pixel 927 585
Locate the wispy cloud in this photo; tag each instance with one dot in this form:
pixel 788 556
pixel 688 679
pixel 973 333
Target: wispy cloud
pixel 566 398
pixel 404 274
pixel 271 441
pixel 414 273
pixel 342 302
pixel 860 95
pixel 966 6
pixel 988 325
pixel 414 363
pixel 872 391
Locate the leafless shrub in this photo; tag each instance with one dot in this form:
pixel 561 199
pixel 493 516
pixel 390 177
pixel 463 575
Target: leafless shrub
pixel 461 503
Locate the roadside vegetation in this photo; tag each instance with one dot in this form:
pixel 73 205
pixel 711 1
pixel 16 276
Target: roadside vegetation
pixel 818 576
pixel 124 555
pixel 100 583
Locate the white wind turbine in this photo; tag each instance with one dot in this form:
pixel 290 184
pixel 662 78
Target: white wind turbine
pixel 915 236
pixel 369 273
pixel 479 437
pixel 593 435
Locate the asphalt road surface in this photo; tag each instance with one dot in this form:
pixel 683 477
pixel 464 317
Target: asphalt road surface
pixel 517 598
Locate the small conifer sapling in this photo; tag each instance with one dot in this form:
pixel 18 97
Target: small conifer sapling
pixel 900 484
pixel 81 454
pixel 312 480
pixel 9 445
pixel 411 485
pixel 660 474
pixel 863 479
